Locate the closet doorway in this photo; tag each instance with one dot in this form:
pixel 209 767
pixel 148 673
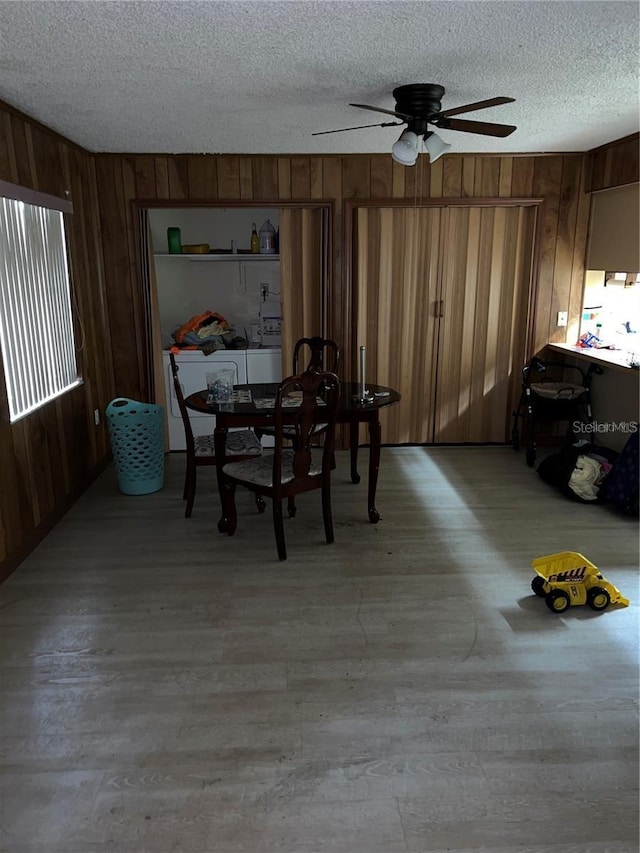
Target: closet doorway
pixel 305 275
pixel 440 299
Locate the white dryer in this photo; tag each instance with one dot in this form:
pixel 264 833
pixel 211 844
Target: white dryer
pixel 194 367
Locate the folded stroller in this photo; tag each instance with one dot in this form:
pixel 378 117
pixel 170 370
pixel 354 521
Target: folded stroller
pixel 551 392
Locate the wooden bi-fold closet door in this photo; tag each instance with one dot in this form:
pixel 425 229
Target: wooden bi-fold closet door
pixel 486 272
pixel 396 285
pixel 440 302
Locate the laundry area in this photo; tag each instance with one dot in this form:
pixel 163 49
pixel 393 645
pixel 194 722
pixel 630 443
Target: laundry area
pixel 217 280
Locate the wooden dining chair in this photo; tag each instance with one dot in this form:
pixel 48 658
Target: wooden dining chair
pixel 241 444
pixel 325 355
pixel 289 471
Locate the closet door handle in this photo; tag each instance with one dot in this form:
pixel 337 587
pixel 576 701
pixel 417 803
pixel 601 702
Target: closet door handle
pixel 441 309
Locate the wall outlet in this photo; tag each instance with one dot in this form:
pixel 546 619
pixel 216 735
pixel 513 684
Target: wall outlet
pixel 563 317
pixel 264 290
pixel 96 416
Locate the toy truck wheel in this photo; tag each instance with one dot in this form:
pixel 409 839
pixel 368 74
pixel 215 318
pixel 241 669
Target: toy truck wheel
pixel 598 598
pixel 537 585
pixel 557 601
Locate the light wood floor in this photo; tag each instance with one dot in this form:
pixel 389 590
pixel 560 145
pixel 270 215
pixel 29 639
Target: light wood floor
pixel 168 689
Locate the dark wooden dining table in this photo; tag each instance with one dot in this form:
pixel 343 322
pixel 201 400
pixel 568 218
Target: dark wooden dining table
pixel 252 406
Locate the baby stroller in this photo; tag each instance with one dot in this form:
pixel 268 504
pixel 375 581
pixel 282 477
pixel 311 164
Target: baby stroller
pixel 551 391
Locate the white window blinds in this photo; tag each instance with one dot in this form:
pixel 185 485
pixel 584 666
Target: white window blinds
pixel 36 325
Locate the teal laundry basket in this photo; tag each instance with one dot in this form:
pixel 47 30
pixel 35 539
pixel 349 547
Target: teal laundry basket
pixel 136 431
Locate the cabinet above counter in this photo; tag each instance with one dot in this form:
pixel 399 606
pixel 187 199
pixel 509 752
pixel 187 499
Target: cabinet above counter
pixel 239 258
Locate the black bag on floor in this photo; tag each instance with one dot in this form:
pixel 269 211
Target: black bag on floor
pixel 557 469
pixel 621 487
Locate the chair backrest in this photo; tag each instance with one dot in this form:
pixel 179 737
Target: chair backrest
pixel 181 404
pixel 319 395
pixel 325 355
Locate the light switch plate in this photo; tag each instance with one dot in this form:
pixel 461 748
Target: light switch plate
pixel 563 317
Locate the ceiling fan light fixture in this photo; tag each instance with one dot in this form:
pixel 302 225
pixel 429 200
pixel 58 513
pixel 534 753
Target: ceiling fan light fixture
pixel 435 146
pixel 405 151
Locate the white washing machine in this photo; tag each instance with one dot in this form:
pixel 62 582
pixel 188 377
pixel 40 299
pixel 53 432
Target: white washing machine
pixel 264 365
pixel 194 367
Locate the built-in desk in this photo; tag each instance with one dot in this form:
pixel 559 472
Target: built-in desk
pixel 614 394
pixel 613 358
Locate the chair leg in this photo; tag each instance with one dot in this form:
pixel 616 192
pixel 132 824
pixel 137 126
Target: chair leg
pixel 353 441
pixel 260 504
pixel 229 508
pixel 326 512
pixel 189 488
pixel 291 506
pixel 278 529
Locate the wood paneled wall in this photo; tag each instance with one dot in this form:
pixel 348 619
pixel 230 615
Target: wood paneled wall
pixel 614 165
pixel 268 180
pixel 50 456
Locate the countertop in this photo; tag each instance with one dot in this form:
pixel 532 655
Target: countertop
pixel 615 359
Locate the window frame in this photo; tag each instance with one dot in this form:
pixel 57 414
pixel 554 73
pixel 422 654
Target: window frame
pixel 12 412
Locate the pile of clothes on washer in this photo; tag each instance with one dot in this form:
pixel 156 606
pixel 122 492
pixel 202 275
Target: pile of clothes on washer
pixel 208 332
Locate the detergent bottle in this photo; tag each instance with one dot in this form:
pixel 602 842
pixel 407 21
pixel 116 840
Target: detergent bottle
pixel 267 238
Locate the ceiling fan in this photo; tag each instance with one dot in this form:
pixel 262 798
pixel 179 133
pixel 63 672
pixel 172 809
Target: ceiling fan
pixel 418 105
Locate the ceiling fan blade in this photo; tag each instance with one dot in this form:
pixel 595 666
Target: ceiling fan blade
pixel 359 127
pixel 483 127
pixel 478 105
pixel 380 110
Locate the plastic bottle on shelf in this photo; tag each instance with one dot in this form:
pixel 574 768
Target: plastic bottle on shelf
pixel 174 241
pixel 267 238
pixel 255 240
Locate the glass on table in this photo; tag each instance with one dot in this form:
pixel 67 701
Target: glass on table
pixel 220 385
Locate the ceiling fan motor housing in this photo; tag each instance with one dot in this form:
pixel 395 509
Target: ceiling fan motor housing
pixel 419 100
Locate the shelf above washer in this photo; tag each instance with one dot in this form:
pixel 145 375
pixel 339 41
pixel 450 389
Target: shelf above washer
pixel 215 257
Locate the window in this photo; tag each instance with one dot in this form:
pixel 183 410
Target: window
pixel 36 323
pixel 611 308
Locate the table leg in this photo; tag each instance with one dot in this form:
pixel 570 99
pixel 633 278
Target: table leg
pixel 375 439
pixel 220 441
pixel 354 429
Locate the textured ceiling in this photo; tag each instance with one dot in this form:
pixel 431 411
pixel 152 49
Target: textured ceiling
pixel 260 77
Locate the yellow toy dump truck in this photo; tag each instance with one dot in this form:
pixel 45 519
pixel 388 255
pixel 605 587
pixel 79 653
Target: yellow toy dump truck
pixel 569 578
